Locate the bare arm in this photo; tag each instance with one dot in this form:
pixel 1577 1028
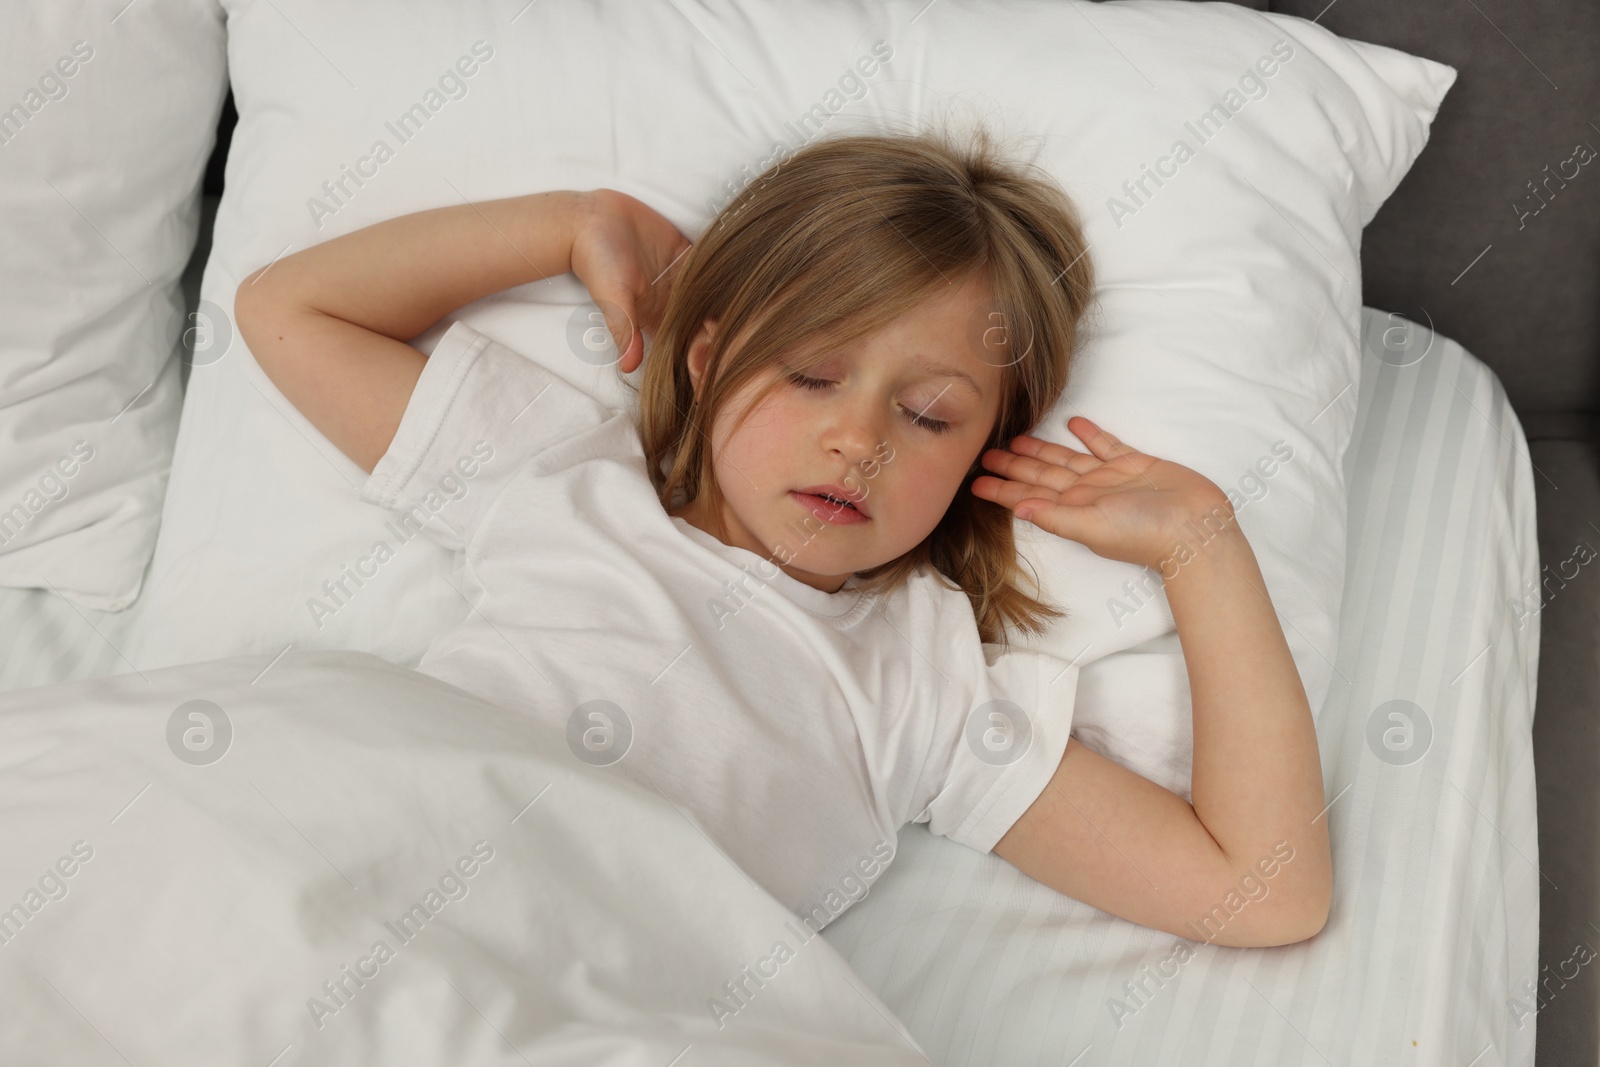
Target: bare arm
pixel 1110 838
pixel 1248 862
pixel 329 324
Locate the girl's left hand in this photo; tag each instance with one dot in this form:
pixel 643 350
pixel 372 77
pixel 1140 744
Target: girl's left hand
pixel 1118 502
pixel 623 252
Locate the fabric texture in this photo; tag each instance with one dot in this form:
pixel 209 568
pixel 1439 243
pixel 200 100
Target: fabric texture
pixel 106 119
pixel 801 728
pixel 330 860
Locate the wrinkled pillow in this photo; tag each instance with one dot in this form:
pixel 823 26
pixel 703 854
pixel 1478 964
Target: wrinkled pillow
pixel 107 118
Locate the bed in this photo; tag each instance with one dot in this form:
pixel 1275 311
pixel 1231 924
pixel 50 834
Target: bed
pixel 1462 921
pixel 1437 879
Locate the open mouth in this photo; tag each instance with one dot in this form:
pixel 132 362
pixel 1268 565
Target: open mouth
pixel 829 506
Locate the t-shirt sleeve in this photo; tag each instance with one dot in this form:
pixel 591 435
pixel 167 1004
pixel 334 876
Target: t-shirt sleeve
pixel 477 415
pixel 997 739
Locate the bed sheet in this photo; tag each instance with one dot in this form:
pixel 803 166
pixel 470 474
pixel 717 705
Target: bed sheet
pixel 1430 954
pixel 45 639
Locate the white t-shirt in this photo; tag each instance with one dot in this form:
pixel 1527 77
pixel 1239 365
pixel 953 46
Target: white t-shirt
pixel 800 728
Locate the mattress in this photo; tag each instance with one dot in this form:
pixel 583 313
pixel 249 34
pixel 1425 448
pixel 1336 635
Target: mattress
pixel 1430 954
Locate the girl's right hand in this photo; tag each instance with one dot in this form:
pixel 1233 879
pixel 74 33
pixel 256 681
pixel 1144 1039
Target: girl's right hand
pixel 623 251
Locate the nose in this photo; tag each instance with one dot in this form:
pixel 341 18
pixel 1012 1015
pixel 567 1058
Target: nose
pixel 855 429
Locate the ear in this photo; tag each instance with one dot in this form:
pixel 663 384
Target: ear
pixel 699 351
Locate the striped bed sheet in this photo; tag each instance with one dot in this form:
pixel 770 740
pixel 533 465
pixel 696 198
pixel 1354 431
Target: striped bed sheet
pixel 1430 955
pixel 45 639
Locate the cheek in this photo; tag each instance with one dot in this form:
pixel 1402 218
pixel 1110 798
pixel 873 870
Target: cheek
pixel 927 474
pixel 762 450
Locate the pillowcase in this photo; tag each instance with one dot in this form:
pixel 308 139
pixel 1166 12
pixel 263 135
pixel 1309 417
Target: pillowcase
pixel 107 117
pixel 1224 160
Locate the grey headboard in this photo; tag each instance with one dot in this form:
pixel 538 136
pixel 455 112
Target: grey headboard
pixel 1490 184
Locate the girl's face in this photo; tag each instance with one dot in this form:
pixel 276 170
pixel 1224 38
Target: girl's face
pixel 901 418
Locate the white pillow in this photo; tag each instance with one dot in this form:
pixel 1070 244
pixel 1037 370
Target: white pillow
pixel 1230 294
pixel 106 119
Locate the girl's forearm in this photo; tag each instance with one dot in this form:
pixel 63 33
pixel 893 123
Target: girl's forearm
pixel 400 276
pixel 329 325
pixel 1257 775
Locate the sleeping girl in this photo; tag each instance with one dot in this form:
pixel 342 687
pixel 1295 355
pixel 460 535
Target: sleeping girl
pixel 779 593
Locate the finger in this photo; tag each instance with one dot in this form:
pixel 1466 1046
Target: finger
pixel 1009 494
pixel 1049 515
pixel 1102 444
pixel 1028 507
pixel 1030 470
pixel 1050 452
pixel 1074 522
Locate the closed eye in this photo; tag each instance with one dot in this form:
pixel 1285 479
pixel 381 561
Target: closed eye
pixel 931 425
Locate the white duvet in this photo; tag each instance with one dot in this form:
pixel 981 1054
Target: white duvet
pixel 332 859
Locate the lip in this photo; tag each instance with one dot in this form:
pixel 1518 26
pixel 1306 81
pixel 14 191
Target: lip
pixel 838 493
pixel 812 500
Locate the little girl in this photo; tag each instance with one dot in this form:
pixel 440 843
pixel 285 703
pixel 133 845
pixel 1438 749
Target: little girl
pixel 780 595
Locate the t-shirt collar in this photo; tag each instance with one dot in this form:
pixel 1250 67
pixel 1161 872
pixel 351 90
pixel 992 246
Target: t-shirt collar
pixel 843 608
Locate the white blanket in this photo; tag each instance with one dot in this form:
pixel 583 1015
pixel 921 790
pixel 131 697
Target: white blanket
pixel 332 859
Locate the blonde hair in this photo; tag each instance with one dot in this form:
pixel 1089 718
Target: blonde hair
pixel 831 244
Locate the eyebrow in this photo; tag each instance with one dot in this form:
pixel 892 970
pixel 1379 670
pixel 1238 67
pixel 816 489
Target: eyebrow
pixel 933 366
